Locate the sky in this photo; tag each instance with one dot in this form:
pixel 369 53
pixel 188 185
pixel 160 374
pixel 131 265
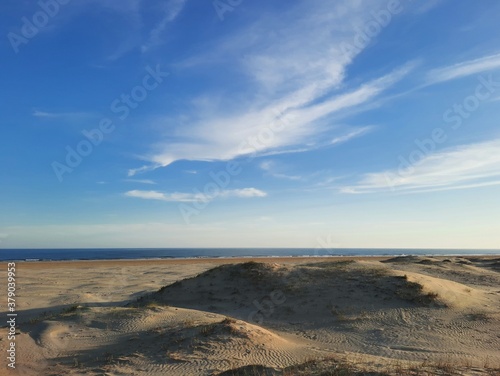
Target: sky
pixel 237 123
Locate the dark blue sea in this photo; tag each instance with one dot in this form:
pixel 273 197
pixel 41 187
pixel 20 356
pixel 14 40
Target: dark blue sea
pixel 165 253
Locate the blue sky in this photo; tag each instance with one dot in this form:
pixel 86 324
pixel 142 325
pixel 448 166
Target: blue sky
pixel 222 123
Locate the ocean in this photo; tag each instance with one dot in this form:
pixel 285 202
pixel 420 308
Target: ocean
pixel 164 253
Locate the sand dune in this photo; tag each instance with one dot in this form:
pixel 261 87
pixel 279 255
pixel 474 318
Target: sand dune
pixel 449 293
pixel 266 318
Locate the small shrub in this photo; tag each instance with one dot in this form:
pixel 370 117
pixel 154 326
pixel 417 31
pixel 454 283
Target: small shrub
pixel 208 330
pixel 228 320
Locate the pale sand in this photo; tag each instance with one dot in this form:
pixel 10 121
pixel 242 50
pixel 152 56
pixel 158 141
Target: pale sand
pixel 88 318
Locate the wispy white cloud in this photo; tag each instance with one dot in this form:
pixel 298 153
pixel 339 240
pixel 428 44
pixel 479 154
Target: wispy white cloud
pixel 125 16
pixel 272 169
pixel 172 197
pixel 192 197
pixel 62 115
pixel 141 181
pixel 171 10
pixel 329 182
pixel 134 171
pixel 297 128
pixel 463 69
pixel 426 6
pixel 43 114
pixel 133 21
pixel 244 193
pixel 175 7
pixel 354 134
pixel 463 167
pixel 295 71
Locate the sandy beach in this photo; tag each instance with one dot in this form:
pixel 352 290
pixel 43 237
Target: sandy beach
pixel 282 316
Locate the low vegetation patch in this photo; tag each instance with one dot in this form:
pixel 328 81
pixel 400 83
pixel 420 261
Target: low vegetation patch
pixel 413 292
pixel 334 367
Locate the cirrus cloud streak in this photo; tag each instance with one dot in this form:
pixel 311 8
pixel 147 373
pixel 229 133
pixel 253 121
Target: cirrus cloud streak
pixel 462 167
pixel 196 197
